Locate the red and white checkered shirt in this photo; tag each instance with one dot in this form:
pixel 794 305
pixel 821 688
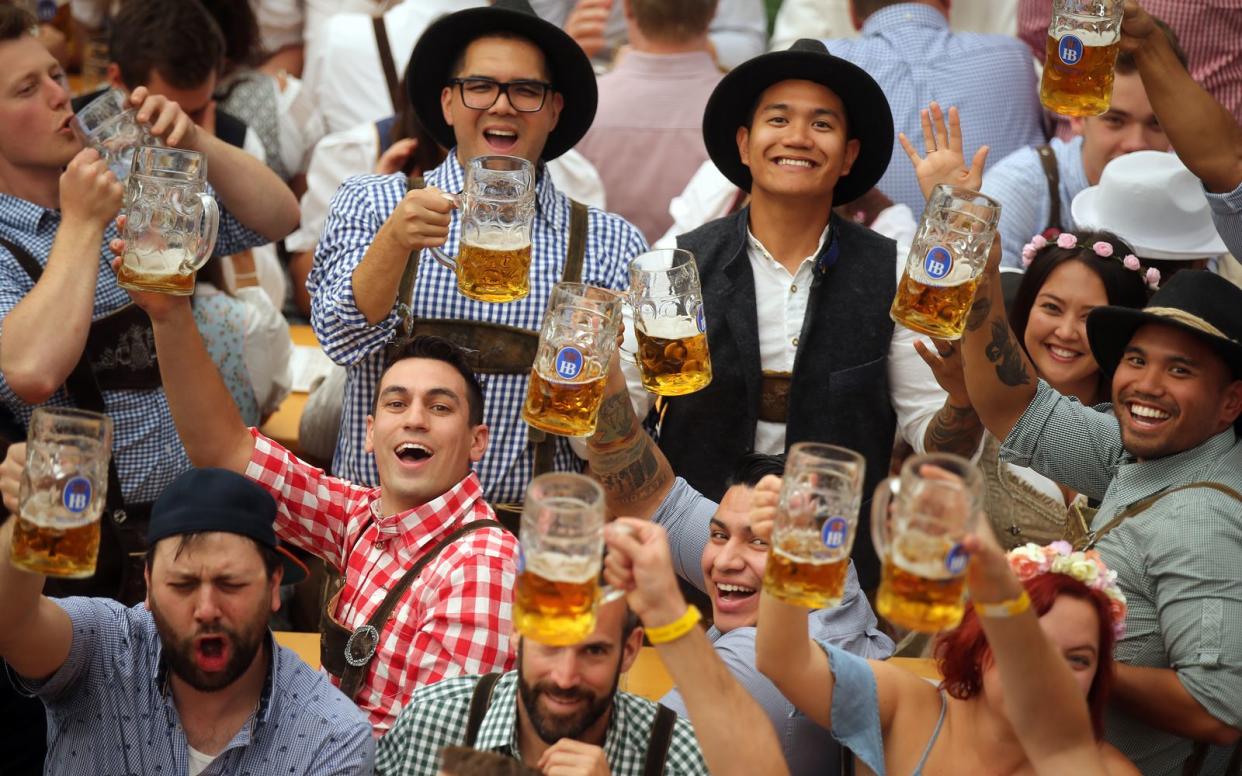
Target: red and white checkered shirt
pixel 455 619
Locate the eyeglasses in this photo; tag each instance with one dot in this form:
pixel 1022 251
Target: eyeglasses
pixel 482 93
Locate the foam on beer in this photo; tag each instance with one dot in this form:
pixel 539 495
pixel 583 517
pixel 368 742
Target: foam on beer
pixel 562 567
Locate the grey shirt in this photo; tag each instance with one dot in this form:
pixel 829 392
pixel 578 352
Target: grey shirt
pixel 1177 561
pixel 810 750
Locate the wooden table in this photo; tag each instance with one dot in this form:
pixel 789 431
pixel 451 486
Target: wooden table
pixel 282 426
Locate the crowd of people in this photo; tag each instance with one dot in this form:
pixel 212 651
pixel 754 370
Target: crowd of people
pixel 1096 388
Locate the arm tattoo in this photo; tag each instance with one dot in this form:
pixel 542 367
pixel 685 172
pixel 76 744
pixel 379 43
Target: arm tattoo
pixel 979 311
pixel 1003 351
pixel 624 459
pixel 616 421
pixel 954 430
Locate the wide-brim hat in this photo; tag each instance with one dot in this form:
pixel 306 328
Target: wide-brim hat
pixel 867 114
pixel 1153 202
pixel 443 41
pixel 1197 301
pixel 218 500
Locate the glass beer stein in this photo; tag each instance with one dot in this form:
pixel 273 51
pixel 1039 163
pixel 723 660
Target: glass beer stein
pixel 562 550
pixel 815 525
pixel 62 492
pixel 170 221
pixel 111 127
pixel 669 324
pixel 575 345
pixel 497 211
pixel 918 521
pixel 1081 51
pixel 946 259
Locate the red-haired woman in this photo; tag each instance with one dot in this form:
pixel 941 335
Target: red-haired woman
pixel 1015 678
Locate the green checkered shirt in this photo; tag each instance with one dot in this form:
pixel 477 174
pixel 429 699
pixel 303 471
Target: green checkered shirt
pixel 436 717
pixel 1177 561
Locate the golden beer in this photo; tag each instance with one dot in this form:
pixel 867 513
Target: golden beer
pixel 555 598
pixel 565 408
pixel 938 311
pixel 672 357
pixel 1078 74
pixel 922 585
pixel 43 548
pixel 494 273
pixel 793 577
pixel 166 281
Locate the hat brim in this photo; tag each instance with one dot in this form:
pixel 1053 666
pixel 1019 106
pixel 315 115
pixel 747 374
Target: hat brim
pixel 443 41
pixel 1109 330
pixel 868 115
pixel 1085 210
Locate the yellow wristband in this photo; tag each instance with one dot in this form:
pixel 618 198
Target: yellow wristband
pixel 675 629
pixel 1005 609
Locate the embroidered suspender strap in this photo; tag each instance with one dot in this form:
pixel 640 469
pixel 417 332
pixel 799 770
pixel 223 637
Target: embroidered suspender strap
pixel 479 703
pixel 361 645
pixel 658 742
pixel 1048 161
pixel 1138 507
pixel 390 67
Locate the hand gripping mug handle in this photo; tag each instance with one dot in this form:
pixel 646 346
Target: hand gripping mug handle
pixel 607 593
pixel 209 225
pixel 438 254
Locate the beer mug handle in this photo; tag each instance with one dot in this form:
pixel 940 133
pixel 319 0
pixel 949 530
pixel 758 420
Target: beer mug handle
pixel 207 230
pixel 880 505
pixel 449 262
pixel 608 594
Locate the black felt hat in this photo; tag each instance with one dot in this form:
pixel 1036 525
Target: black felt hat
pixel 202 500
pixel 442 43
pixel 868 116
pixel 1194 300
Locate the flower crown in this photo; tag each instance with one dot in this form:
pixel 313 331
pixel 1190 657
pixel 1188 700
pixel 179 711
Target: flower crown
pixel 1103 249
pixel 1032 560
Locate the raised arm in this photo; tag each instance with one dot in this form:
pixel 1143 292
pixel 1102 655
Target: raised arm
pixel 1205 136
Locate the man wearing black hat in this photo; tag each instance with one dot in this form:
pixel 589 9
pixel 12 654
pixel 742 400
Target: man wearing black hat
pixel 191 681
pixel 1165 462
pixel 494 80
pixel 797 298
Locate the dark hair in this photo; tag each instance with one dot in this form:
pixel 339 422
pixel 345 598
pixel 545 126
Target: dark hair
pixel 628 625
pixel 752 467
pixel 15 23
pixel 428 154
pixel 176 37
pixel 673 21
pixel 865 8
pixel 272 559
pixel 1122 287
pixel 240 27
pixel 961 653
pixel 1125 59
pixel 464 761
pixel 459 63
pixel 436 349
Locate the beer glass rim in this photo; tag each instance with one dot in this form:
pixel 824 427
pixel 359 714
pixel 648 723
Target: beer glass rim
pixel 111 98
pixel 71 413
pixel 1116 8
pixel 567 478
pixel 972 196
pixel 823 453
pixel 955 464
pixel 517 164
pixel 148 155
pixel 678 259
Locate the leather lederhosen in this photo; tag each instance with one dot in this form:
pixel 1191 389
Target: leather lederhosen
pixel 119 356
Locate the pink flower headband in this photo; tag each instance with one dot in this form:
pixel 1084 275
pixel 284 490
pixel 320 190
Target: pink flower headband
pixel 1104 250
pixel 1032 560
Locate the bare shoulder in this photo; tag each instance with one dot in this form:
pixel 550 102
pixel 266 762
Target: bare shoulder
pixel 902 691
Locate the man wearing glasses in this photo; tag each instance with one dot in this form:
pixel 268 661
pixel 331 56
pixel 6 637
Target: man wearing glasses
pixel 494 80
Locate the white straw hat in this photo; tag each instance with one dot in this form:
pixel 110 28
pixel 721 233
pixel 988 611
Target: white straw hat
pixel 1150 200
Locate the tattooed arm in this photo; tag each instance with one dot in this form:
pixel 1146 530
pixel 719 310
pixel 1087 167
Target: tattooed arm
pixel 623 458
pixel 956 427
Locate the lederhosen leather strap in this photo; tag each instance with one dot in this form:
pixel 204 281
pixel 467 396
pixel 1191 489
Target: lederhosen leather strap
pixel 345 653
pixel 1048 160
pixel 122 541
pixel 774 396
pixel 1093 538
pixel 658 740
pixel 390 68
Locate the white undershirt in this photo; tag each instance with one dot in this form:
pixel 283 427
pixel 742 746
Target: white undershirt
pixel 198 760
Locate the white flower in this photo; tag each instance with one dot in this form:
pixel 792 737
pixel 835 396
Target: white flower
pixel 1084 571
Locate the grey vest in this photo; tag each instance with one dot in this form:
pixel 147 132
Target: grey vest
pixel 839 392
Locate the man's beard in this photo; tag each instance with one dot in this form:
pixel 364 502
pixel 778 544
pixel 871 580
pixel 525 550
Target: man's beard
pixel 551 727
pixel 179 652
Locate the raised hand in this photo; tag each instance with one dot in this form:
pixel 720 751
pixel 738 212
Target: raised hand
pixel 393 160
pixel 945 360
pixel 639 562
pixel 11 475
pixel 586 24
pixel 421 220
pixel 764 501
pixel 942 160
pixel 89 191
pixel 164 118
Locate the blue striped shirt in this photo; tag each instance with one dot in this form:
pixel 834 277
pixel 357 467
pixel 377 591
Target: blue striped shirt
pixel 145 445
pixel 915 58
pixel 1019 184
pixel 110 710
pixel 1227 215
pixel 359 207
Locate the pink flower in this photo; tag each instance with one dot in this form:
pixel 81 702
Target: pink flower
pixel 1028 254
pixel 1040 242
pixel 1153 277
pixel 1025 567
pixel 1062 547
pixel 1131 262
pixel 1067 240
pixel 1103 249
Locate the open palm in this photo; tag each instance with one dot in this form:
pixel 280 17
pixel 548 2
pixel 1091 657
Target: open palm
pixel 942 160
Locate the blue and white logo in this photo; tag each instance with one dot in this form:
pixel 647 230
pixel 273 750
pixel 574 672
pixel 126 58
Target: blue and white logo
pixel 568 363
pixel 521 560
pixel 938 263
pixel 701 320
pixel 77 494
pixel 1070 50
pixel 956 560
pixel 835 531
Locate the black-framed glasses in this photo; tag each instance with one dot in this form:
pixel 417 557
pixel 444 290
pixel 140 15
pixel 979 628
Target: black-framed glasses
pixel 479 93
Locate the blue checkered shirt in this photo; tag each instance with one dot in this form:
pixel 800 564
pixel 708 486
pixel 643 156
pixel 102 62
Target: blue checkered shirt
pixel 915 58
pixel 145 445
pixel 110 709
pixel 358 209
pixel 1018 183
pixel 1227 215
